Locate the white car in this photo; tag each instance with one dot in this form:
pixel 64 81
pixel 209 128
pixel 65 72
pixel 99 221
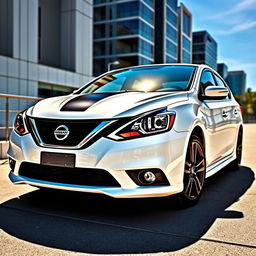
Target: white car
pixel 145 131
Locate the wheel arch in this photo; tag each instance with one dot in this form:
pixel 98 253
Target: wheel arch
pixel 241 129
pixel 198 131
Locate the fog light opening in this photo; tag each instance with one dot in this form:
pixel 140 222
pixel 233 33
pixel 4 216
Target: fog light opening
pixel 146 177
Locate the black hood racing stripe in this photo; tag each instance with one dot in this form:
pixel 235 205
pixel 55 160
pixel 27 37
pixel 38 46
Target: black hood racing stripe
pixel 83 102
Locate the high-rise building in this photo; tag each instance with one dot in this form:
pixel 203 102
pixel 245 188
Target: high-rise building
pixel 45 48
pixel 137 32
pixel 204 49
pixel 222 69
pixel 166 31
pixel 184 35
pixel 237 82
pixel 124 32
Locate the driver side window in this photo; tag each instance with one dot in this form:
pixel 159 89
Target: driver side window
pixel 206 80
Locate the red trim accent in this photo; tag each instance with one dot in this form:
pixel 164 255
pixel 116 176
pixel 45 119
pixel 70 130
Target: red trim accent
pixel 129 134
pixel 172 118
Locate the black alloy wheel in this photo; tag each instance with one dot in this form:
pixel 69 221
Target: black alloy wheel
pixel 194 173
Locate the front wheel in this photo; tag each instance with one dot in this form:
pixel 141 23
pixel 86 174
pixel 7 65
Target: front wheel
pixel 194 174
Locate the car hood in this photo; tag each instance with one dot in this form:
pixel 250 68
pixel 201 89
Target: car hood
pixel 104 105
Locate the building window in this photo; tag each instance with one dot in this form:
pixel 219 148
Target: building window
pixel 49 33
pixel 6 28
pixel 50 90
pixel 185 57
pixel 99 31
pixel 171 48
pixel 127 9
pixel 171 33
pixel 150 3
pixel 199 48
pixel 99 48
pixel 172 4
pixel 199 57
pixel 171 17
pixel 99 66
pixel 99 1
pixel 146 13
pixel 170 59
pixel 129 27
pixel 146 48
pixel 100 13
pixel 186 24
pixel 198 39
pixel 124 46
pixel 143 61
pixel 186 43
pixel 146 31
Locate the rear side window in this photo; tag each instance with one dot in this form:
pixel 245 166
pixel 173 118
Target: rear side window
pixel 219 82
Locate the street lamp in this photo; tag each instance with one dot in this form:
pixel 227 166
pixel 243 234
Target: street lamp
pixel 112 63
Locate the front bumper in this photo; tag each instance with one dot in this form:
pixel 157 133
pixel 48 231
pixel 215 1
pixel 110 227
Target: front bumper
pixel 117 192
pixel 164 151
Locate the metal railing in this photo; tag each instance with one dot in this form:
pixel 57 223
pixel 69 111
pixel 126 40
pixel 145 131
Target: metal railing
pixel 7 109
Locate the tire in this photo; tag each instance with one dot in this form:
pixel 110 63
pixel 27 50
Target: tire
pixel 194 174
pixel 235 165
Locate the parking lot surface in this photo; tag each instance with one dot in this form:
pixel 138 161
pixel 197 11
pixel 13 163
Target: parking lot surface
pixel 43 222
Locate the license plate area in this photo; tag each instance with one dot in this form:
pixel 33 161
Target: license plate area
pixel 58 159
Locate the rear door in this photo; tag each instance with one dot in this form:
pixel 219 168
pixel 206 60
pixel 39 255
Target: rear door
pixel 231 110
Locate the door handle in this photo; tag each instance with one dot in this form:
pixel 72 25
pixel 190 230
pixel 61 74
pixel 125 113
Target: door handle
pixel 225 114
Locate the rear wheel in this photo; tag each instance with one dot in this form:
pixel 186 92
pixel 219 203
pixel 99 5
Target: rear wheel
pixel 235 165
pixel 194 174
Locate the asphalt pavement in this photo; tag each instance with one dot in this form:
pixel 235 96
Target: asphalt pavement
pixel 43 222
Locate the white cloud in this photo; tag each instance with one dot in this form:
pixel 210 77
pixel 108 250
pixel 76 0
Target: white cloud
pixel 238 28
pixel 244 5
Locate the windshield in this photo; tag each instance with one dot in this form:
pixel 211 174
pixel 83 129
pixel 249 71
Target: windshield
pixel 146 79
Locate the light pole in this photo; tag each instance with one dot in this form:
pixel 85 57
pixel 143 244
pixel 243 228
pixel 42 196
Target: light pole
pixel 112 63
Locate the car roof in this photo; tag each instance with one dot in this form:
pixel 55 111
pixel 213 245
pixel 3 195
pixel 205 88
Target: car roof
pixel 162 64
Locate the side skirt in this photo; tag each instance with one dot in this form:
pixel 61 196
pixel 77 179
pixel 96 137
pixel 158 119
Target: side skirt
pixel 217 166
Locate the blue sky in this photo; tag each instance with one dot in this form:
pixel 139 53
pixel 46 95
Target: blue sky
pixel 232 23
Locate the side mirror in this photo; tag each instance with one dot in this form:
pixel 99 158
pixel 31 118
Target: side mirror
pixel 216 92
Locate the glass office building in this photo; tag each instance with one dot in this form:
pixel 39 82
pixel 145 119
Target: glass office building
pixel 223 70
pixel 166 32
pixel 204 49
pixel 124 32
pixel 237 82
pixel 184 34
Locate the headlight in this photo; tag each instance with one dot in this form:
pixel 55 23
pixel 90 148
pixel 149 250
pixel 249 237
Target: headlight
pixel 19 124
pixel 156 122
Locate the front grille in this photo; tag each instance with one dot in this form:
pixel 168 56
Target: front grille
pixel 78 130
pixel 74 176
